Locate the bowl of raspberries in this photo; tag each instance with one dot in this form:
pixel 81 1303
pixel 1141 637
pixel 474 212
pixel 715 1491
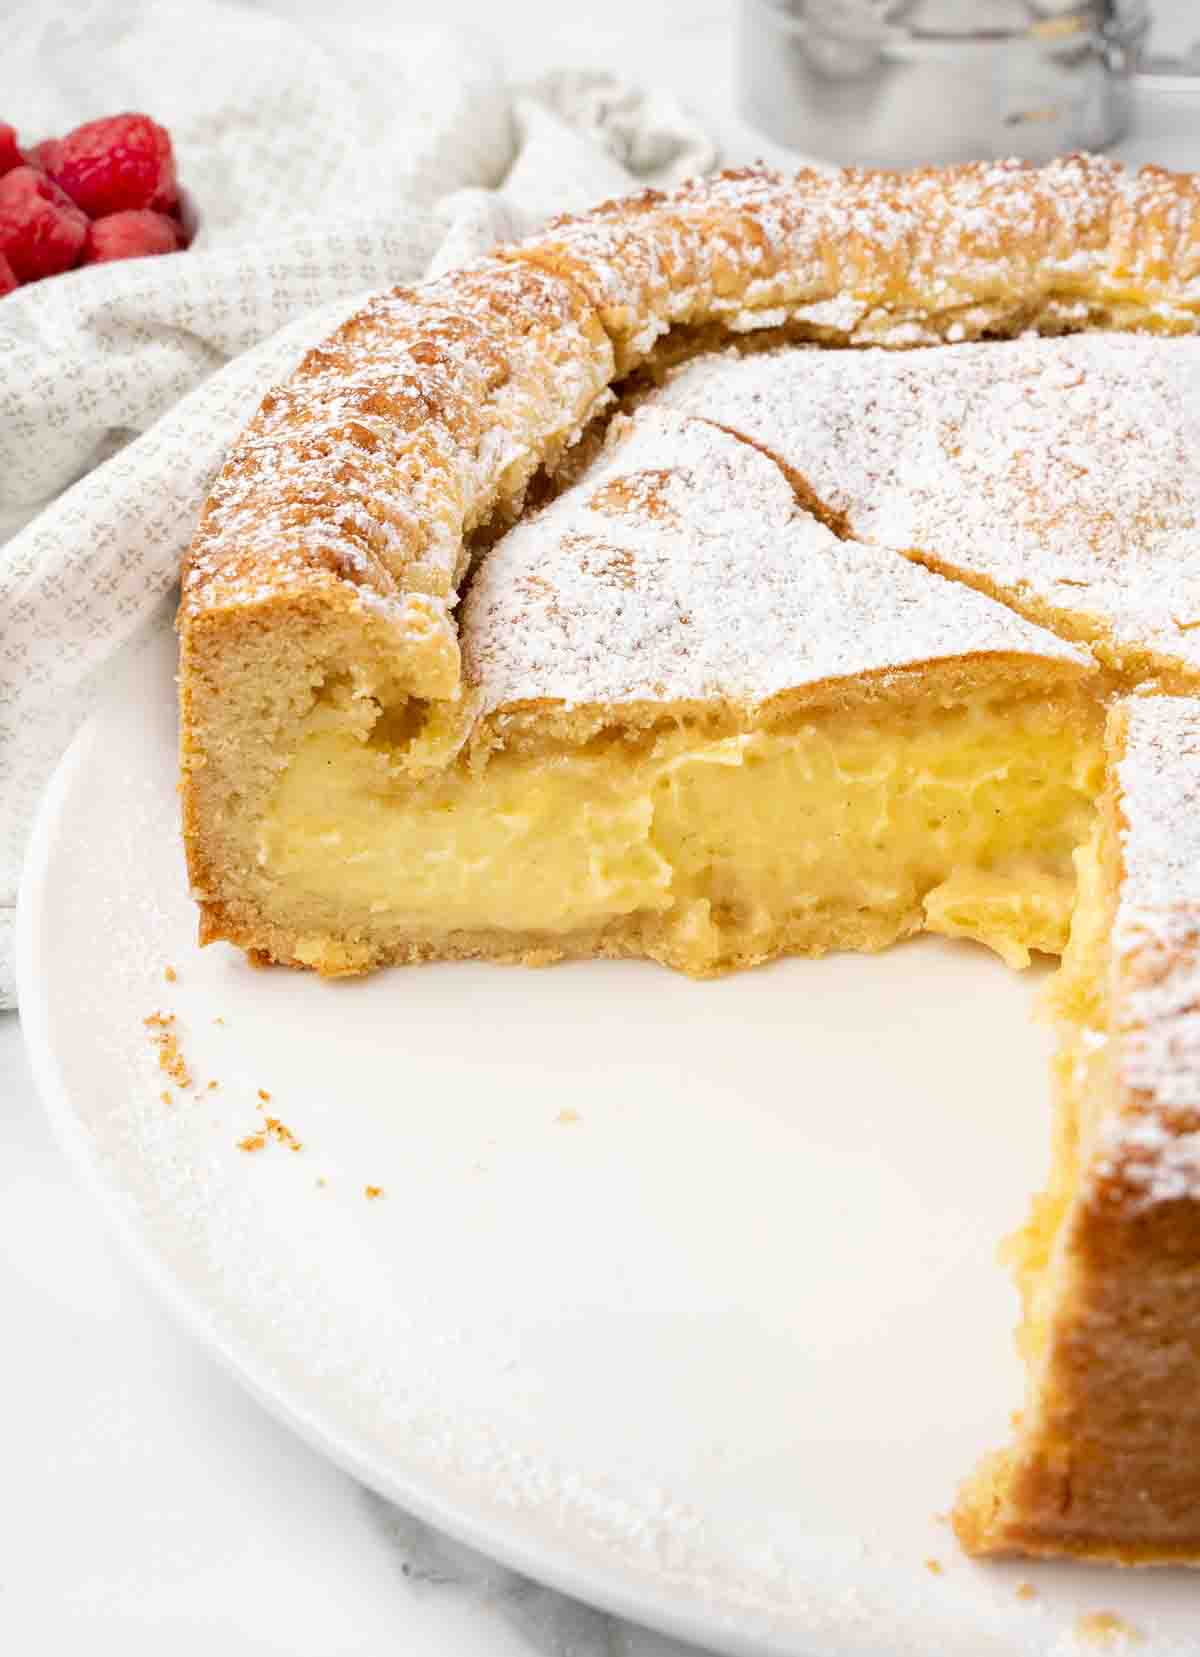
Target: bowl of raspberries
pixel 106 191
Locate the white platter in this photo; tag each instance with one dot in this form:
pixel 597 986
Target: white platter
pixel 713 1354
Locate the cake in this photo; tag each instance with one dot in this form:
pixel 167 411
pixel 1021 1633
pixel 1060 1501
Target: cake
pixel 697 726
pixel 580 603
pixel 1057 475
pixel 1104 1460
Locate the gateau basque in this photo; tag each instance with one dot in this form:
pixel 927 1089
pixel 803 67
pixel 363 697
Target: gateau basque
pixel 777 566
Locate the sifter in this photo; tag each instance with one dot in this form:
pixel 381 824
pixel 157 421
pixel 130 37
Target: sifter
pixel 913 82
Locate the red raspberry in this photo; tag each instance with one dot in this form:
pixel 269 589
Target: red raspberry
pixel 45 155
pixel 10 155
pixel 130 236
pixel 118 164
pixel 7 280
pixel 41 231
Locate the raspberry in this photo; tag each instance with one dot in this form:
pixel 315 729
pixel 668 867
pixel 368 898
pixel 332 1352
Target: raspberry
pixel 7 280
pixel 41 231
pixel 44 156
pixel 118 164
pixel 10 155
pixel 130 236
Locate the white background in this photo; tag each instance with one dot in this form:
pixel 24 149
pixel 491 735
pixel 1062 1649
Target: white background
pixel 146 1505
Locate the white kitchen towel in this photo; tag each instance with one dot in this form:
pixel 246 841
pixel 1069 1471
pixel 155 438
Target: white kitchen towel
pixel 323 159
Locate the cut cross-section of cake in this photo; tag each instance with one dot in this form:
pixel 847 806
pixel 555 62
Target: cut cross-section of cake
pixel 1058 475
pixel 809 650
pixel 697 726
pixel 1104 1464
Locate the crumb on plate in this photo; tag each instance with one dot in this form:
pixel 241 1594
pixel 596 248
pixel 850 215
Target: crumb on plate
pixel 164 1038
pixel 280 1131
pixel 1105 1628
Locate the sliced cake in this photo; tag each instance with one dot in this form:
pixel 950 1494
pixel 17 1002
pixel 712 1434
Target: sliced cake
pixel 1104 1463
pixel 810 650
pixel 697 726
pixel 1058 475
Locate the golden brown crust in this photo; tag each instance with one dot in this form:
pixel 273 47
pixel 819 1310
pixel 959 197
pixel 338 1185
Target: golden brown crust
pixel 1104 1466
pixel 423 413
pixel 890 258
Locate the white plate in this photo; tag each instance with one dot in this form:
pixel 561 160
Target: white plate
pixel 713 1355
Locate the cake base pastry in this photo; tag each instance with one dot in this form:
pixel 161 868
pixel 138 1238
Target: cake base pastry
pixel 1104 1465
pixel 585 602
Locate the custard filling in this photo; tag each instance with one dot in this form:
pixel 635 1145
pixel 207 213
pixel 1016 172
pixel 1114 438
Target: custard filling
pixel 958 819
pixel 1076 996
pixel 1039 1252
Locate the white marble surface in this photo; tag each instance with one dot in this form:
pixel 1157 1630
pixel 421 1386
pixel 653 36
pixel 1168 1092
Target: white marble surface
pixel 148 1504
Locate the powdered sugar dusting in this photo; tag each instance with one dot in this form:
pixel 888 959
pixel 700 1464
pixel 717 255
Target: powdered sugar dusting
pixel 1159 777
pixel 433 406
pixel 1060 472
pixel 394 438
pixel 1153 1146
pixel 683 568
pixel 924 256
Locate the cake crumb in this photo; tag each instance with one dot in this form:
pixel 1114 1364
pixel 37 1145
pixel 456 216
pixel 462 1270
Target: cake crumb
pixel 218 1021
pixel 252 1142
pixel 1105 1628
pixel 165 1096
pixel 1026 1590
pixel 280 1131
pixel 170 974
pixel 373 1191
pixel 567 1117
pixel 934 1567
pixel 170 1058
pixel 212 1085
pixel 264 1096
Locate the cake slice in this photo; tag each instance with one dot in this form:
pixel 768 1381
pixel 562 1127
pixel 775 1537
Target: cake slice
pixel 696 726
pixel 1058 475
pixel 806 657
pixel 326 573
pixel 1104 1463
